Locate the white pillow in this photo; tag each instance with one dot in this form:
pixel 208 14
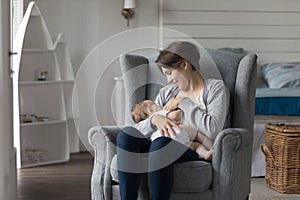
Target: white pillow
pixel 281 75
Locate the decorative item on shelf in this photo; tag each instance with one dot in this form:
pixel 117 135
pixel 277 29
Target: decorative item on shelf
pixel 128 10
pixel 35 155
pixel 39 118
pixel 25 118
pixel 42 74
pixel 42 119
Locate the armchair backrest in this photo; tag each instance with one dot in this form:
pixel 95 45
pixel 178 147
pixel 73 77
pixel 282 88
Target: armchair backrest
pixel 238 72
pixel 143 79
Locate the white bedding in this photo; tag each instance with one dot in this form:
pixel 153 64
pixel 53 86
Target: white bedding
pixel 262 90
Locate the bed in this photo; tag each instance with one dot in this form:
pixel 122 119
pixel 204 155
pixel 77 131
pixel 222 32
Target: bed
pixel 277 101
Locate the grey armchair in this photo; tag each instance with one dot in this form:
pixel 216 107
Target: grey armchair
pixel 229 174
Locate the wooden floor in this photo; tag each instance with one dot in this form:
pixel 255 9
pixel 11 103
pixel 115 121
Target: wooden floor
pixel 67 181
pixel 71 181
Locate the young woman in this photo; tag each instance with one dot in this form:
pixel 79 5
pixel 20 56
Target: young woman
pixel 204 104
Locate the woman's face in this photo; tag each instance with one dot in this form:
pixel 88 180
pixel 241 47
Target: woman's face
pixel 177 76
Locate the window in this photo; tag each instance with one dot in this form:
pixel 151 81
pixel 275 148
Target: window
pixel 16 16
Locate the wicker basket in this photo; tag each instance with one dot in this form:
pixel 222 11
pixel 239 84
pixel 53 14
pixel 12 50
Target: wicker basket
pixel 282 153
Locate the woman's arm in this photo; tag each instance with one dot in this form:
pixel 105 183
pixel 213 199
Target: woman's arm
pixel 211 122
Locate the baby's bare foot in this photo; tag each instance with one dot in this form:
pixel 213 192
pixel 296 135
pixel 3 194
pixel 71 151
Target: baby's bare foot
pixel 208 155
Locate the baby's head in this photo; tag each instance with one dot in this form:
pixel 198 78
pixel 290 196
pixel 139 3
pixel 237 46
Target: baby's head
pixel 142 110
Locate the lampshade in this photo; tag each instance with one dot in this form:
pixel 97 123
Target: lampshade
pixel 129 4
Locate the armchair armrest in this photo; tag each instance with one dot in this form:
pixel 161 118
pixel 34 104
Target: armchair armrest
pixel 103 140
pixel 232 164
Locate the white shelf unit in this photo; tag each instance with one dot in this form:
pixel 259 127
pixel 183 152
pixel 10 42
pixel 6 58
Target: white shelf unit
pixel 39 142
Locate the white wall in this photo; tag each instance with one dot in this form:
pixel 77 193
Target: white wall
pixel 85 24
pixel 7 155
pixel 269 28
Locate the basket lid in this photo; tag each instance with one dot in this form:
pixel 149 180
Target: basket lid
pixel 293 129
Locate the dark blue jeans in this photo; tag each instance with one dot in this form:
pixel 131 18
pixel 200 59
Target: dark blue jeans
pixel 138 155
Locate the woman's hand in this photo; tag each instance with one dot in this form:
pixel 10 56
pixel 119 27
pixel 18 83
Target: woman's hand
pixel 172 104
pixel 165 125
pixel 175 115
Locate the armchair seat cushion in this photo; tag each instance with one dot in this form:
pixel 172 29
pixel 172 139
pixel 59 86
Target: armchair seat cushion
pixel 192 176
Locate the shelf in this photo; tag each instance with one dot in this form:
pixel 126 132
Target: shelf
pixel 45 82
pixel 29 164
pixel 67 81
pixel 38 82
pixel 43 123
pixel 43 143
pixel 37 50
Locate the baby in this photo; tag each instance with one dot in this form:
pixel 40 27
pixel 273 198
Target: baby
pixel 188 135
